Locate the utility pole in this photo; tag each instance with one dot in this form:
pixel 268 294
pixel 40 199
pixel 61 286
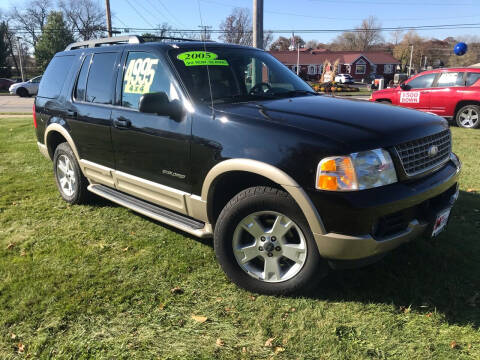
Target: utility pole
pixel 425 64
pixel 19 51
pixel 109 18
pixel 205 28
pixel 258 24
pixel 410 65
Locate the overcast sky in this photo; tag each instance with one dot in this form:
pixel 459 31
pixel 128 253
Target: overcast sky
pixel 298 14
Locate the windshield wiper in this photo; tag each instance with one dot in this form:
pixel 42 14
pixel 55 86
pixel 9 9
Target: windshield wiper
pixel 299 92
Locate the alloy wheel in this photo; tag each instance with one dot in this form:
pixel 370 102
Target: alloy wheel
pixel 66 175
pixel 269 246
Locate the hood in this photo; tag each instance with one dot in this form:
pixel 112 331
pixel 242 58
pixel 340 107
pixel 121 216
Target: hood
pixel 16 85
pixel 355 124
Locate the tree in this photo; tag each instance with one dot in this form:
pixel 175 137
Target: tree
pixel 32 18
pixel 283 43
pixel 4 51
pixel 470 58
pixel 402 51
pixel 84 17
pixel 365 36
pixel 237 27
pixel 55 37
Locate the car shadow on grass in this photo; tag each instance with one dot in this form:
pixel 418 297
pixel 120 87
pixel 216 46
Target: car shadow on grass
pixel 424 276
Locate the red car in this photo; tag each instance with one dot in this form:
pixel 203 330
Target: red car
pixel 5 83
pixel 451 93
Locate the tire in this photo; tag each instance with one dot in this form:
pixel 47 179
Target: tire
pixel 70 181
pixel 22 92
pixel 468 117
pixel 261 208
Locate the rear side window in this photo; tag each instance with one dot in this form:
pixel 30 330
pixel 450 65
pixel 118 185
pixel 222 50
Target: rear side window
pixel 472 78
pixel 450 79
pixel 81 87
pixel 100 78
pixel 55 75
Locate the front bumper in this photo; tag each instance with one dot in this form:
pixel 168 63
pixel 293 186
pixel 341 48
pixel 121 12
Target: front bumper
pixel 359 224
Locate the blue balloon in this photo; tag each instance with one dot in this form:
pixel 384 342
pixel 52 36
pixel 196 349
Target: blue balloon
pixel 460 49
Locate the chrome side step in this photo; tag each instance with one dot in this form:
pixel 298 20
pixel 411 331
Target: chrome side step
pixel 155 212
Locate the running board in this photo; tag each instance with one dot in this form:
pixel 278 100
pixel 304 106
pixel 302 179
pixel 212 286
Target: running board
pixel 158 213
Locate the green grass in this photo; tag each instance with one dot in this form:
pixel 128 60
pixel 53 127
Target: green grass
pixel 80 282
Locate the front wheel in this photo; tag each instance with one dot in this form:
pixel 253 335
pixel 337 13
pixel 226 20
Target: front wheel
pixel 264 244
pixel 468 117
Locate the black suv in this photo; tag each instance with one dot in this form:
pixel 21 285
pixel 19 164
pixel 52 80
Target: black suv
pixel 224 141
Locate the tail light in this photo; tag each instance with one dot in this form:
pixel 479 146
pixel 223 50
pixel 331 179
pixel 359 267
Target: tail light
pixel 34 116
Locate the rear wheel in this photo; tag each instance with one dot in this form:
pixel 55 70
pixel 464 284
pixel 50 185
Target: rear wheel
pixel 264 244
pixel 71 183
pixel 469 117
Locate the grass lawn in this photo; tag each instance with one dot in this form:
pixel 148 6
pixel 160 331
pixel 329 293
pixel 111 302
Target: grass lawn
pixel 97 281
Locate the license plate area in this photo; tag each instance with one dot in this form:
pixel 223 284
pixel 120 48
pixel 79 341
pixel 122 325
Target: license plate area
pixel 441 221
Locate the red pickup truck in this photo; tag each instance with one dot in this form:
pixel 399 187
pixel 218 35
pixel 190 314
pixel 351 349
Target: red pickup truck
pixel 451 93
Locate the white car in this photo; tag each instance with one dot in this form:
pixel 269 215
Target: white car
pixel 344 79
pixel 26 88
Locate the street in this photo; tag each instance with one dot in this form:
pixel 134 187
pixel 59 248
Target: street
pixel 16 104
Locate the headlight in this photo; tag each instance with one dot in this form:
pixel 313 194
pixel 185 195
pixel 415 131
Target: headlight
pixel 357 171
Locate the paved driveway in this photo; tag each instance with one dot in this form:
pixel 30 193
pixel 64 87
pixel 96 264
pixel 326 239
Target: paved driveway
pixel 15 104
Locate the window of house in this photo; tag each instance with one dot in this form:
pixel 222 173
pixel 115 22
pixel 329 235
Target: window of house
pixel 312 69
pixel 100 78
pixel 144 74
pixel 320 69
pixel 388 68
pixel 360 69
pixel 472 78
pixel 422 81
pixel 450 79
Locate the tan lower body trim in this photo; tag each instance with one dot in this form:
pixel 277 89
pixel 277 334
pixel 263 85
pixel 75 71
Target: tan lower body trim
pixel 43 150
pixel 167 197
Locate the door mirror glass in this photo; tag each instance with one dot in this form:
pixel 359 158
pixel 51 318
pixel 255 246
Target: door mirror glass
pixel 158 103
pixel 405 87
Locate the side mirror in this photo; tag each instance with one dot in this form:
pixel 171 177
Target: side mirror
pixel 404 86
pixel 158 103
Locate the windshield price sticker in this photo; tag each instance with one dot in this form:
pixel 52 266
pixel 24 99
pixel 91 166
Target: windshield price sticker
pixel 139 75
pixel 410 97
pixel 201 58
pixel 448 78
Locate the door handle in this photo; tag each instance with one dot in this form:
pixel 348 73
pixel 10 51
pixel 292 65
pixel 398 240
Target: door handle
pixel 425 92
pixel 72 113
pixel 122 122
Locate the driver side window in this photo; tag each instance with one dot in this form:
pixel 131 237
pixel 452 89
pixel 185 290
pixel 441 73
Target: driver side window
pixel 422 81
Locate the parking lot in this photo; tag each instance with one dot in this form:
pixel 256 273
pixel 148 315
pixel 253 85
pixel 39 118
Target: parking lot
pixel 15 104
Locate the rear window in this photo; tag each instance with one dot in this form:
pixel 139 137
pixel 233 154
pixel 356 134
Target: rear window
pixel 55 75
pixel 472 78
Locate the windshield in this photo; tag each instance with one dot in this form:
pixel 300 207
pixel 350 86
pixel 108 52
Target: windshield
pixel 236 74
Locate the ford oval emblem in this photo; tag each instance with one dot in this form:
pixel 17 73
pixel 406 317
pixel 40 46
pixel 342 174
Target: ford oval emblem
pixel 433 150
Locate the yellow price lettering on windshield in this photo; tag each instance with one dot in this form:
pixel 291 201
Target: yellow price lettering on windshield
pixel 201 58
pixel 139 75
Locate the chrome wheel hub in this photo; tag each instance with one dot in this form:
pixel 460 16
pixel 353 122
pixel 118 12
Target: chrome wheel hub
pixel 66 175
pixel 469 118
pixel 269 246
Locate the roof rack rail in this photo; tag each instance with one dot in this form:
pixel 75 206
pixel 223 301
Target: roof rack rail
pixel 130 39
pixel 155 38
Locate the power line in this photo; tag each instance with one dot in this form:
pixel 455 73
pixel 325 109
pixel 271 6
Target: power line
pixel 139 14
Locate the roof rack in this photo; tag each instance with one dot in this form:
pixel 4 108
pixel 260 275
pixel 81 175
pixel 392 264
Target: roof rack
pixel 131 39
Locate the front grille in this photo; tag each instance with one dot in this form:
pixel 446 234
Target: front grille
pixel 414 155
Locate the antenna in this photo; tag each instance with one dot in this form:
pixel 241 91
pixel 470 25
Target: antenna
pixel 205 49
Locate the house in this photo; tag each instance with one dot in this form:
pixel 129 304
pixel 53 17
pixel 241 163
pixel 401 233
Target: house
pixel 356 63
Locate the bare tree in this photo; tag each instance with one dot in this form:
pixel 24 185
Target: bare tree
pixel 32 18
pixel 85 17
pixel 396 36
pixel 237 27
pixel 267 39
pixel 369 33
pixel 363 38
pixel 283 43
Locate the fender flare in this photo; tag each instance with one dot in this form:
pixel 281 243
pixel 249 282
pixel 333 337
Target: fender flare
pixel 274 174
pixel 64 132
